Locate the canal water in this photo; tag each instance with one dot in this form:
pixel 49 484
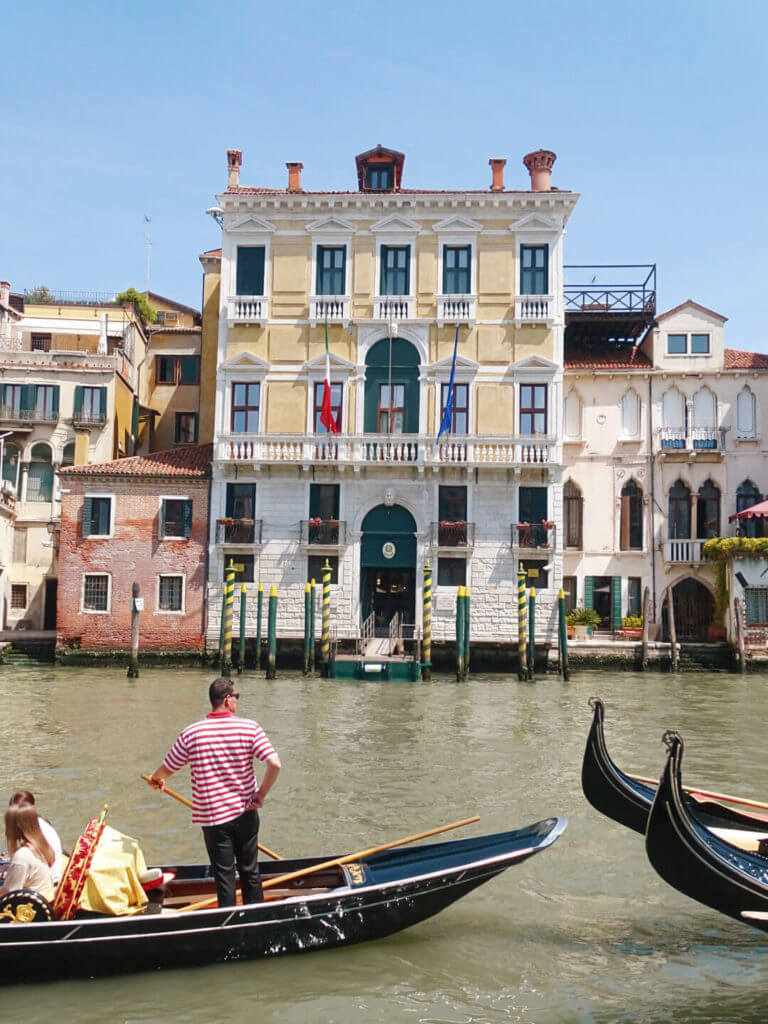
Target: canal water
pixel 583 932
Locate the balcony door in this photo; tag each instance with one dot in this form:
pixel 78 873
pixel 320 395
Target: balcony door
pixel 391 388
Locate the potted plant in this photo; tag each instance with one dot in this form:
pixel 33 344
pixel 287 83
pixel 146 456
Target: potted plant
pixel 632 627
pixel 584 621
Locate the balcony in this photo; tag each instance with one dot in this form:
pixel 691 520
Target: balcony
pixel 455 309
pixel 533 536
pixel 605 303
pixel 329 533
pixel 26 418
pixel 417 450
pixel 84 420
pixel 394 307
pixel 534 309
pixel 696 439
pixel 453 535
pixel 238 531
pixel 247 309
pixel 687 551
pixel 333 309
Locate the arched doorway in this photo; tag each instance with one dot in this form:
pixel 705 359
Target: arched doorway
pixel 391 388
pixel 694 610
pixel 388 565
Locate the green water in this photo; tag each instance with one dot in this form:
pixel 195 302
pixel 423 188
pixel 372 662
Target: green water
pixel 584 932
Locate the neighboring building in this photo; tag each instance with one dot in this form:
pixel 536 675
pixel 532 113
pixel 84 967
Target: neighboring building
pixel 391 271
pixel 174 375
pixel 142 519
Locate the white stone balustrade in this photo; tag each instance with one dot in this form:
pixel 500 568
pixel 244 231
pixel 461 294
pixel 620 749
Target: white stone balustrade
pixel 455 309
pixel 247 309
pixel 333 308
pixel 536 309
pixel 683 550
pixel 394 307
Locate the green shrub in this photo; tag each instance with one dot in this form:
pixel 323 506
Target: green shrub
pixel 583 617
pixel 147 313
pixel 632 622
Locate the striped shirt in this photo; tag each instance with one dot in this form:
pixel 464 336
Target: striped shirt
pixel 220 750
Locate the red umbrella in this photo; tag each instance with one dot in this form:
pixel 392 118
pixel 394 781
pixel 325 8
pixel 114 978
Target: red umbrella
pixel 758 511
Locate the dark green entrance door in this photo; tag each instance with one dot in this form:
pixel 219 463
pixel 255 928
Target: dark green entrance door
pixel 388 565
pixel 389 591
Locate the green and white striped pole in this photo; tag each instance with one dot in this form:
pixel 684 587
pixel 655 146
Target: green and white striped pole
pixel 272 634
pixel 521 643
pixel 426 646
pixel 325 638
pixel 229 601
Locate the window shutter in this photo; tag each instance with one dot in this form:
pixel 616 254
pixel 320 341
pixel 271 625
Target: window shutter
pixel 616 602
pixel 55 403
pixel 87 516
pixel 103 401
pixel 589 591
pixel 134 414
pixel 2 395
pixel 187 518
pixel 27 397
pixel 624 524
pixel 78 399
pixel 161 521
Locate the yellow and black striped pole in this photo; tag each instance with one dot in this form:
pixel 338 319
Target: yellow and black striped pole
pixel 522 672
pixel 229 601
pixel 426 646
pixel 325 638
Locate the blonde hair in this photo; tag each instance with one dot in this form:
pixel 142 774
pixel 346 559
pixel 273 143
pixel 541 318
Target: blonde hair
pixel 22 828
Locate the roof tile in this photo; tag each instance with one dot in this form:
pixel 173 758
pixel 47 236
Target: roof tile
pixel 606 357
pixel 738 360
pixel 189 460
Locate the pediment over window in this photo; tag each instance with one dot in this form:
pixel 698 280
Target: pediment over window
pixel 443 366
pixel 395 225
pixel 251 224
pixel 533 222
pixel 245 361
pixel 331 225
pixel 457 225
pixel 533 364
pixel 318 364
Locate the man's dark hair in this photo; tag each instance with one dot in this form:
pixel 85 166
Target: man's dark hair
pixel 219 690
pixel 22 797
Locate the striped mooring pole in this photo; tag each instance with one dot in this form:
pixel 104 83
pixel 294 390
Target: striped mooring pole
pixel 325 638
pixel 312 589
pixel 272 634
pixel 460 634
pixel 532 633
pixel 563 635
pixel 241 658
pixel 521 642
pixel 426 646
pixel 229 601
pixel 259 597
pixel 467 631
pixel 307 628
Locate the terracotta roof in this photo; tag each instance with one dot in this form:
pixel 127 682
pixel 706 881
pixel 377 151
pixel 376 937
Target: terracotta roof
pixel 162 299
pixel 737 360
pixel 188 460
pixel 696 305
pixel 606 357
pixel 211 252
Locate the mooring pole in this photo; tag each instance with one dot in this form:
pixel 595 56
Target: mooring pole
pixel 241 658
pixel 460 634
pixel 325 637
pixel 563 635
pixel 522 672
pixel 133 665
pixel 672 630
pixel 259 596
pixel 532 633
pixel 272 634
pixel 307 602
pixel 739 612
pixel 426 644
pixel 221 628
pixel 646 615
pixel 312 589
pixel 467 631
pixel 229 602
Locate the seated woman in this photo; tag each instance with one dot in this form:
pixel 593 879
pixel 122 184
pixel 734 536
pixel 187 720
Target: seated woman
pixel 31 854
pixel 49 832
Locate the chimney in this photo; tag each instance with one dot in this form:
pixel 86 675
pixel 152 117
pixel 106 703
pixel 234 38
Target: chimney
pixel 5 292
pixel 294 176
pixel 234 162
pixel 539 166
pixel 497 185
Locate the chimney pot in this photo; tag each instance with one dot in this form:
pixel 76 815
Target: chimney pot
pixel 294 176
pixel 539 164
pixel 5 292
pixel 497 166
pixel 234 162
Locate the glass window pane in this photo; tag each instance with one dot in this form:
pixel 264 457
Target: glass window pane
pixel 677 344
pixel 700 344
pixel 250 270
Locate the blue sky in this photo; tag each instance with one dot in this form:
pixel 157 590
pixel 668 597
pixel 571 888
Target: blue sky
pixel 657 113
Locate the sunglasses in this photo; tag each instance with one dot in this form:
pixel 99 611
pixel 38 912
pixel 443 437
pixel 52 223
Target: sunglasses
pixel 234 694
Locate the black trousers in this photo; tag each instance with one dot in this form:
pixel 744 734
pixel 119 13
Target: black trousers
pixel 235 842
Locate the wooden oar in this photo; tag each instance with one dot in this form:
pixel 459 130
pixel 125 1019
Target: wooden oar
pixel 705 792
pixel 281 879
pixel 188 803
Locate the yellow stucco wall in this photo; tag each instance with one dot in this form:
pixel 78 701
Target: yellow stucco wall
pixel 123 417
pixel 209 341
pixel 82 445
pixel 534 341
pixel 286 407
pixel 291 264
pixel 168 399
pixel 494 408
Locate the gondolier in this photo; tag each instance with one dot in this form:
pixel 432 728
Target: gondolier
pixel 220 750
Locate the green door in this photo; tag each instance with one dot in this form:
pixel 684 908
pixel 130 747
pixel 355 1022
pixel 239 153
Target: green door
pixel 400 366
pixel 388 565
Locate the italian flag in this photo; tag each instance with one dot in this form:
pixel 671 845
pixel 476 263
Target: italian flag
pixel 326 410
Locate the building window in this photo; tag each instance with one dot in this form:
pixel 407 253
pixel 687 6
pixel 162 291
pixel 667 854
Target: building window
pixel 395 269
pixel 572 416
pixel 679 511
pixel 90 404
pixel 331 269
pixel 324 502
pixel 12 404
pixel 699 344
pixel 40 475
pixel 175 518
pixel 533 409
pixel 315 565
pixel 708 511
pixel 748 495
pixel 536 573
pixel 451 572
pixel 677 344
pixel 18 596
pixel 746 420
pixel 337 393
pixel 178 369
pixel 11 455
pixel 756 600
pixel 245 408
pixel 40 343
pixel 379 177
pixel 569 589
pixel 244 567
pixel 456 269
pixel 631 520
pixel 97 516
pixel 573 506
pixel 391 419
pixel 452 504
pixel 250 270
pixel 460 417
pixel 186 428
pixel 634 600
pixel 68 454
pixel 46 402
pixel 170 593
pixel 630 414
pixel 96 592
pixel 534 270
pixel 19 545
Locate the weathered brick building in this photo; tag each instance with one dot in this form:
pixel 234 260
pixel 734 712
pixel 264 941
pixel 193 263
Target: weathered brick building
pixel 142 519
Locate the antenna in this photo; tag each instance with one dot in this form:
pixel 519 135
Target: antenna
pixel 148 244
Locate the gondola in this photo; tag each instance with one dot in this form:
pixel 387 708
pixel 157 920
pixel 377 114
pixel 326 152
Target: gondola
pixel 369 899
pixel 695 861
pixel 627 801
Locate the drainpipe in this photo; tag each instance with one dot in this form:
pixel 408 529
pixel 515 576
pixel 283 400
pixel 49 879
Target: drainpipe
pixel 652 459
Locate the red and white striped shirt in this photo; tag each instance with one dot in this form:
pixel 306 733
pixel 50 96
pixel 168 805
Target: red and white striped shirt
pixel 220 750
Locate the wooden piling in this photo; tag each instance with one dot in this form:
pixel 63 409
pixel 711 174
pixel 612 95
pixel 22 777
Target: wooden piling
pixel 467 632
pixel 739 612
pixel 313 588
pixel 562 636
pixel 307 628
pixel 259 597
pixel 272 634
pixel 229 601
pixel 325 636
pixel 136 604
pixel 426 645
pixel 674 649
pixel 531 652
pixel 241 656
pixel 460 634
pixel 522 672
pixel 646 616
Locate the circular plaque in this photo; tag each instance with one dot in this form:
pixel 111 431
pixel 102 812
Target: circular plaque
pixel 388 549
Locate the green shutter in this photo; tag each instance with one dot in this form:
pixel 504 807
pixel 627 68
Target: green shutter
pixel 55 405
pixel 134 414
pixel 103 402
pixel 87 516
pixel 28 397
pixel 187 518
pixel 161 521
pixel 589 591
pixel 2 395
pixel 78 399
pixel 616 602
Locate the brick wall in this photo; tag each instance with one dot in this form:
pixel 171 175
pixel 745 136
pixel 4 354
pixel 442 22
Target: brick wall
pixel 134 553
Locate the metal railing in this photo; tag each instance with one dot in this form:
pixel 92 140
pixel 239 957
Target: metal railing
pixel 319 532
pixel 459 534
pixel 395 634
pixel 367 632
pixel 29 415
pixel 595 291
pixel 532 536
pixel 89 419
pixel 56 297
pixel 697 439
pixel 238 531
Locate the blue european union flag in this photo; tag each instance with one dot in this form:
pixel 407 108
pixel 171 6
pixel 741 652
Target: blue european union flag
pixel 447 421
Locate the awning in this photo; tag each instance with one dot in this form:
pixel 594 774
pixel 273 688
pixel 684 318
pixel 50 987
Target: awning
pixel 758 511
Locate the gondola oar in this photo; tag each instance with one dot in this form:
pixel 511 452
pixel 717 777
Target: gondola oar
pixel 360 855
pixel 710 796
pixel 188 803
